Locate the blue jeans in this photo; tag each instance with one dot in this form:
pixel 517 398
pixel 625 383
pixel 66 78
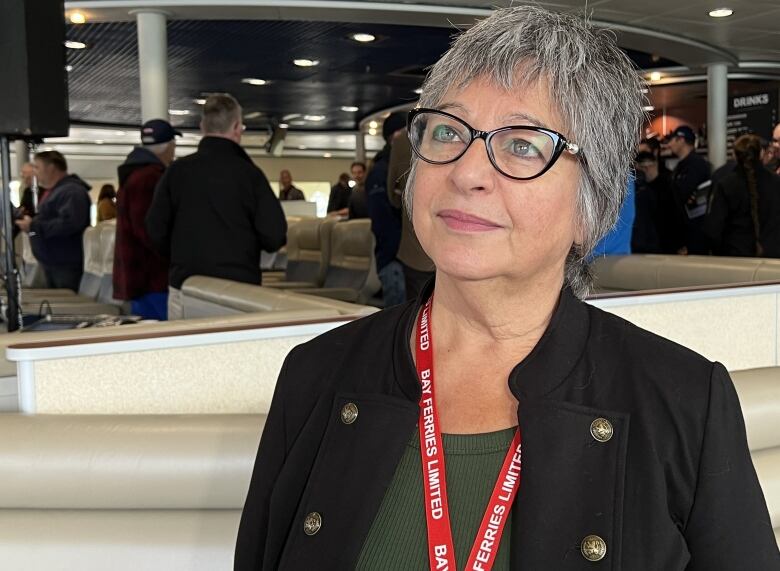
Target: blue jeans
pixel 393 287
pixel 151 306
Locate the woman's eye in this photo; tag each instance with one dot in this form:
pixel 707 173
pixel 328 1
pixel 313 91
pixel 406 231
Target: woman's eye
pixel 523 148
pixel 445 134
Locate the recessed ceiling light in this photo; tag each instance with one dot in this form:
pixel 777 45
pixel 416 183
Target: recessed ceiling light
pixel 327 155
pixel 75 45
pixel 254 81
pixel 68 68
pixel 655 76
pixel 199 101
pixel 77 18
pixel 372 131
pixel 306 62
pixel 721 13
pixel 648 108
pixel 179 111
pixel 363 38
pixel 314 117
pixel 350 108
pixel 283 125
pixel 373 124
pixel 418 91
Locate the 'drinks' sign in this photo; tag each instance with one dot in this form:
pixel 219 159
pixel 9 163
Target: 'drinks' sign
pixel 752 113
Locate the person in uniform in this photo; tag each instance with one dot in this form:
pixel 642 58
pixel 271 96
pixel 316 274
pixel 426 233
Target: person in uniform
pixel 497 421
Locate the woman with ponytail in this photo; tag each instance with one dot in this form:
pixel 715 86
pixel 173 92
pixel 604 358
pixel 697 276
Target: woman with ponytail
pixel 744 218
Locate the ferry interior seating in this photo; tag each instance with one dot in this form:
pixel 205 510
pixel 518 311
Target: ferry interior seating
pixel 615 274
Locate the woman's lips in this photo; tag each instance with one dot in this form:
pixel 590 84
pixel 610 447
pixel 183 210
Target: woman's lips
pixel 457 220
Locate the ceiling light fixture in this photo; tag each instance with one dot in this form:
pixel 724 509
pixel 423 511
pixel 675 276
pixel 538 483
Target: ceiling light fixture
pixel 77 18
pixel 306 62
pixel 178 111
pixel 372 131
pixel 302 147
pixel 314 117
pixel 254 81
pixel 363 38
pixel 418 91
pixel 283 125
pixel 373 125
pixel 68 68
pixel 75 45
pixel 327 156
pixel 721 13
pixel 350 108
pixel 655 76
pixel 199 101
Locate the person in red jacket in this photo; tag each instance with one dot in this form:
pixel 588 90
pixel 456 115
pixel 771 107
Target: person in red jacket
pixel 140 273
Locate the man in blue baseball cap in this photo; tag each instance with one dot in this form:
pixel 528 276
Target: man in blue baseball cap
pixel 140 273
pixel 688 178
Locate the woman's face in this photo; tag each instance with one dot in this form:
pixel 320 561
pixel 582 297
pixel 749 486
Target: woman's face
pixel 476 223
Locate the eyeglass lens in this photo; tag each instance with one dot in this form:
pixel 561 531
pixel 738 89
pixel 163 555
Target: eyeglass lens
pixel 521 153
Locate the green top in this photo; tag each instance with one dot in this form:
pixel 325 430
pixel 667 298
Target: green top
pixel 398 538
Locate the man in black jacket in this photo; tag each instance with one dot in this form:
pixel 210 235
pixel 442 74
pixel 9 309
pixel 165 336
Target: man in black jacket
pixel 63 215
pixel 690 172
pixel 214 211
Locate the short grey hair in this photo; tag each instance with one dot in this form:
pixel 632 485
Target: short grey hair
pixel 220 112
pixel 594 85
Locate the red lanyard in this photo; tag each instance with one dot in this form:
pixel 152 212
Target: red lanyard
pixel 441 552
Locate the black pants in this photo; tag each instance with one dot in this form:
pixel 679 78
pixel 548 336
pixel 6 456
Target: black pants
pixel 63 277
pixel 414 281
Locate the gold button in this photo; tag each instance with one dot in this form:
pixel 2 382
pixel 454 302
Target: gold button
pixel 593 548
pixel 312 523
pixel 601 429
pixel 349 413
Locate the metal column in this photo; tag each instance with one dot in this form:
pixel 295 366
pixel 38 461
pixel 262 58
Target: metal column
pixel 360 146
pixel 153 63
pixel 717 110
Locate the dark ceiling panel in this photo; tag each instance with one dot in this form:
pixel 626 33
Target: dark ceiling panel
pixel 214 55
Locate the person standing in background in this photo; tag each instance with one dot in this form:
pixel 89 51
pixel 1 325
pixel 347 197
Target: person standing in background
pixel 27 198
pixel 213 211
pixel 140 273
pixel 358 205
pixel 651 189
pixel 776 149
pixel 63 215
pixel 338 201
pixel 744 215
pixel 418 267
pixel 386 220
pixel 106 203
pixel 690 172
pixel 286 189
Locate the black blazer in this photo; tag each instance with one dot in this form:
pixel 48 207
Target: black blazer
pixel 673 489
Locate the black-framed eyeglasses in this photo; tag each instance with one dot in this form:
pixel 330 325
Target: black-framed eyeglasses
pixel 520 152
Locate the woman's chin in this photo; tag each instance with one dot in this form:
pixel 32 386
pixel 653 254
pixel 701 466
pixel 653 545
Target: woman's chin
pixel 468 268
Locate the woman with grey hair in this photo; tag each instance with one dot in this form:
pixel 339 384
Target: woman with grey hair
pixel 549 434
